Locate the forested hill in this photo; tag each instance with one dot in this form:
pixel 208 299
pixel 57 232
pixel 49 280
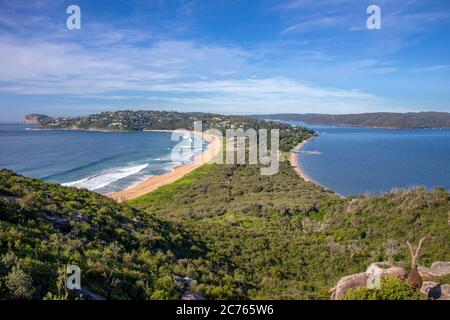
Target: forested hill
pixel 410 120
pixel 233 233
pixel 228 231
pixel 128 120
pixel 161 120
pixel 123 253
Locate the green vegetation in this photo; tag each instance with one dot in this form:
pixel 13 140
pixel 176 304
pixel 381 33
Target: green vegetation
pixel 390 289
pixel 238 234
pixel 280 237
pixel 409 120
pixel 160 120
pixel 44 227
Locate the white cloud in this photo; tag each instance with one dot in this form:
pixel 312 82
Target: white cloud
pixel 315 24
pixel 105 63
pixel 265 95
pixel 166 73
pixel 436 68
pixel 42 67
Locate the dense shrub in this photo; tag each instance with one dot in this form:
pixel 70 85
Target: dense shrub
pixel 44 227
pixel 294 240
pixel 390 289
pixel 237 233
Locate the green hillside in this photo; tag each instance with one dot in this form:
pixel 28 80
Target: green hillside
pixel 239 234
pixel 44 227
pixel 278 237
pixel 167 120
pixel 392 120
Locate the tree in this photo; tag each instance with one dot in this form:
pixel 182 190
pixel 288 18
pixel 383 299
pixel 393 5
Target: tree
pixel 19 284
pixel 391 289
pixel 26 201
pixel 414 277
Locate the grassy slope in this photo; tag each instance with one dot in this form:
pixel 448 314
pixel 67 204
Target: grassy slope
pixel 281 237
pixel 45 226
pixel 239 234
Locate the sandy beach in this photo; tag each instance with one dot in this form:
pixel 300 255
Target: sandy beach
pixel 298 169
pixel 178 172
pixel 294 160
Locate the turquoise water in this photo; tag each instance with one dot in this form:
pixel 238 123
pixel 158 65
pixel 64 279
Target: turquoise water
pixel 353 161
pixel 100 161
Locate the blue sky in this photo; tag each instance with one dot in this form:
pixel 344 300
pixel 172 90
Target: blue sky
pixel 225 56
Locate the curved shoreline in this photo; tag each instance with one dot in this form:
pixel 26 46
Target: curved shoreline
pixel 153 183
pixel 301 173
pixel 296 165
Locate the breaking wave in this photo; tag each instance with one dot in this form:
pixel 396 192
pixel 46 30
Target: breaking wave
pixel 106 177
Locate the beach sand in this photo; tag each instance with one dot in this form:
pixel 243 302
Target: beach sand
pixel 296 166
pixel 156 182
pixel 294 160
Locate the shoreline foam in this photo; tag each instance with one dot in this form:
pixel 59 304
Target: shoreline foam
pixel 178 172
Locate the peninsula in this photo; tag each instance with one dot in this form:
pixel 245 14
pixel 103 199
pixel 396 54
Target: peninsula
pixel 389 120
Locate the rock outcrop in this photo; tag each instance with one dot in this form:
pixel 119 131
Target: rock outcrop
pixel 435 290
pixel 35 118
pixel 362 279
pixel 184 282
pixel 89 295
pixel 187 285
pixel 192 295
pixel 432 289
pixel 437 269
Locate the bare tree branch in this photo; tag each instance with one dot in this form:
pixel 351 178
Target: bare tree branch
pixel 419 247
pixel 411 252
pixel 415 253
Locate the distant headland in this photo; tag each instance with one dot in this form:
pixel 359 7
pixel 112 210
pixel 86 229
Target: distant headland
pixel 388 120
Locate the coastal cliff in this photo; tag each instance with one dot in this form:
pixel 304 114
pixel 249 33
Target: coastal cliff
pixel 394 284
pixel 35 118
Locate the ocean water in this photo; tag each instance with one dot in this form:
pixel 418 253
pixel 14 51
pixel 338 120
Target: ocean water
pixel 100 161
pixel 351 161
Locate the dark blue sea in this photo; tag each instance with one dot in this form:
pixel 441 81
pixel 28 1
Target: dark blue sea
pixel 100 161
pixel 351 161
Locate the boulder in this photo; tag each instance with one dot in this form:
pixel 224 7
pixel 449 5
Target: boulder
pixel 192 295
pixel 185 282
pixel 437 269
pixel 435 290
pixel 386 269
pixel 347 283
pixel 432 289
pixel 89 295
pixel 361 279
